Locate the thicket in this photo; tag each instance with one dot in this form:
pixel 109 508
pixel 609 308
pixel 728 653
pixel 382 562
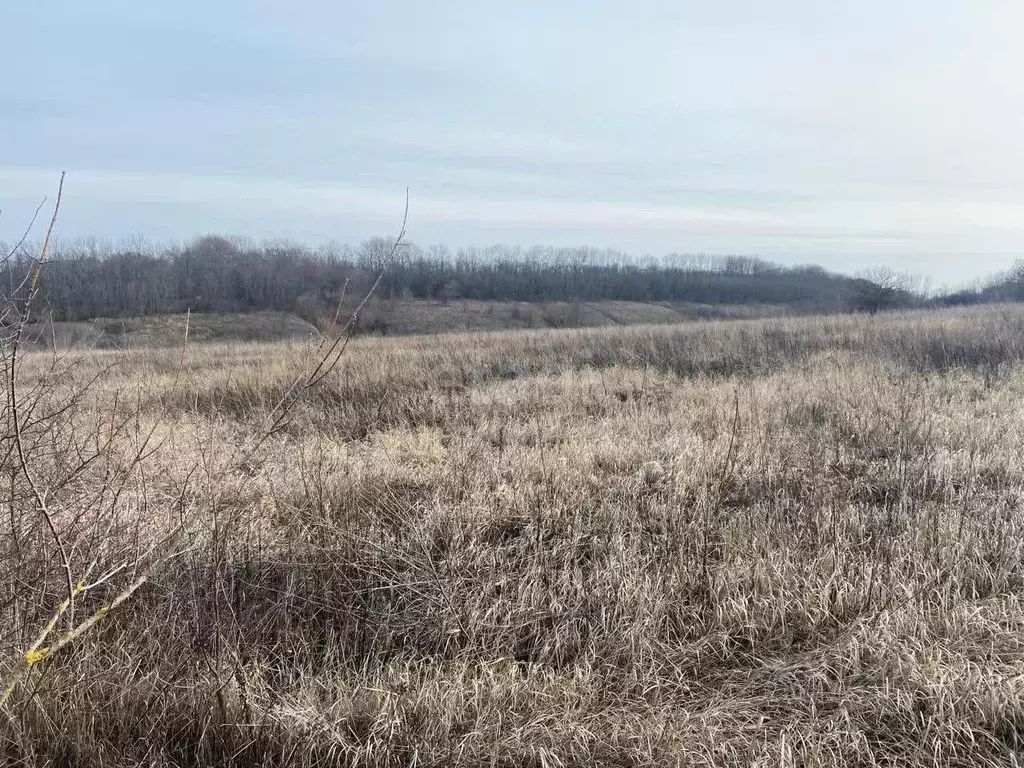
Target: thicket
pixel 216 274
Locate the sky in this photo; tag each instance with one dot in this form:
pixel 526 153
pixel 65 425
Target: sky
pixel 843 133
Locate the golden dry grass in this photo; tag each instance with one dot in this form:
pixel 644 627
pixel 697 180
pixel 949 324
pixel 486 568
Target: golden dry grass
pixel 779 542
pixel 168 330
pixel 418 316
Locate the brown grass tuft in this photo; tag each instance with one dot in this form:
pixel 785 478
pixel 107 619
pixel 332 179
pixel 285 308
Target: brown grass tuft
pixel 774 542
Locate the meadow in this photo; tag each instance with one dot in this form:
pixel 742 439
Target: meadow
pixel 787 541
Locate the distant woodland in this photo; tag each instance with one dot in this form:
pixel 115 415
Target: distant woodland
pixel 217 274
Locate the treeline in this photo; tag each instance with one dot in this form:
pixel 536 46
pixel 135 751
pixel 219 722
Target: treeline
pixel 1003 286
pixel 217 274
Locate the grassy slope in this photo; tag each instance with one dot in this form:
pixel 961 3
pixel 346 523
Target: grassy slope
pixel 416 316
pixel 388 317
pixel 169 330
pixel 792 542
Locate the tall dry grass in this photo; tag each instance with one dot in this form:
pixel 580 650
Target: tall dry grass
pixel 778 542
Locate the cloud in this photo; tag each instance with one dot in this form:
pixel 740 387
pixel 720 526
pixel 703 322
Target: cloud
pixel 797 130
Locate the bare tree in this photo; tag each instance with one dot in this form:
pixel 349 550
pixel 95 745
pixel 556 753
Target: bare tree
pixel 882 288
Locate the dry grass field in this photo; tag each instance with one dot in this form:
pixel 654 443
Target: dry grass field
pixel 379 317
pixel 782 542
pixel 417 316
pixel 168 330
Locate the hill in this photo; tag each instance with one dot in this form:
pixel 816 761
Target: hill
pixel 380 317
pixel 423 316
pixel 169 330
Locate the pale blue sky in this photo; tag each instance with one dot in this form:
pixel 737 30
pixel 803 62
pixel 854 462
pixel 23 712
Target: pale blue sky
pixel 844 133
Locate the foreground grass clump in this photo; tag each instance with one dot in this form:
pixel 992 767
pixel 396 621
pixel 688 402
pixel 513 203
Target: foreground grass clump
pixel 782 542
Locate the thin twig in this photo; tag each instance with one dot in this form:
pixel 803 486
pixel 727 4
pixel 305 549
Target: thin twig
pixel 38 494
pixel 168 548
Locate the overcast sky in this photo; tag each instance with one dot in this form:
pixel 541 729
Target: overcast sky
pixel 840 132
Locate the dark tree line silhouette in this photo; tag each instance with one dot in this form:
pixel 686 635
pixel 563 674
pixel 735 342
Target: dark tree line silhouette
pixel 217 274
pixel 1005 286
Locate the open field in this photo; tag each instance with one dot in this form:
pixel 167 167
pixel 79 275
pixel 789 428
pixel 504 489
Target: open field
pixel 416 316
pixel 791 542
pixel 169 330
pixel 380 317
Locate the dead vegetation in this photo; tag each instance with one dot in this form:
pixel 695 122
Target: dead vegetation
pixel 397 317
pixel 417 316
pixel 167 330
pixel 771 542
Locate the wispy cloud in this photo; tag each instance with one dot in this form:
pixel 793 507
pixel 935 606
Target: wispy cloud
pixel 798 130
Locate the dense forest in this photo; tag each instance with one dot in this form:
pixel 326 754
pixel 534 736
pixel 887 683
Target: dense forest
pixel 216 274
